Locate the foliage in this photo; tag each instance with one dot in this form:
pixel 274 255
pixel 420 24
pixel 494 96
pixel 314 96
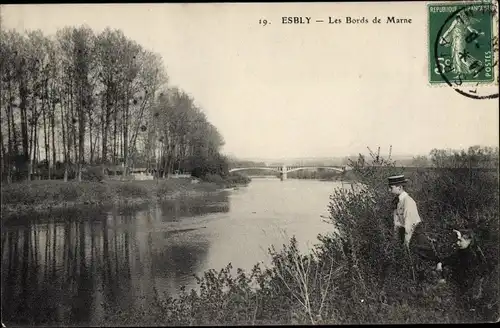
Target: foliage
pixel 234 179
pixel 230 180
pixel 54 192
pixel 214 178
pixel 168 187
pixel 357 274
pixel 211 165
pixel 126 190
pixel 94 174
pixel 83 98
pixel 448 198
pixel 47 194
pixel 315 174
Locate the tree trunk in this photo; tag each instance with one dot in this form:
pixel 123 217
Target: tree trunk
pixel 23 93
pixel 11 135
pixel 96 142
pixel 115 114
pixel 73 129
pixel 32 141
pixel 64 119
pixel 125 124
pixel 125 128
pixel 4 156
pixel 91 160
pixel 81 132
pixel 105 126
pixel 46 137
pixel 131 147
pixel 52 126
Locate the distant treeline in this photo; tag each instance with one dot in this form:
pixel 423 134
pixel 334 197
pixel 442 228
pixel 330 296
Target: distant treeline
pixel 476 157
pixel 78 98
pixel 319 174
pixel 440 162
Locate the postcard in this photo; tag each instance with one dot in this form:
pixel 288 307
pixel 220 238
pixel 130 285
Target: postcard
pixel 249 163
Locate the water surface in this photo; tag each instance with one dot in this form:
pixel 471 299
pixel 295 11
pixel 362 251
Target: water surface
pixel 62 269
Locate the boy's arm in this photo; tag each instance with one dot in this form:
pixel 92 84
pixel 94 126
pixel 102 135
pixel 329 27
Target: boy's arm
pixel 449 258
pixel 447 250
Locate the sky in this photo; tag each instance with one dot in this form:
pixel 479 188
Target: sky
pixel 286 90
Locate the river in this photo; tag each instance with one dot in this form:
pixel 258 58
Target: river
pixel 63 269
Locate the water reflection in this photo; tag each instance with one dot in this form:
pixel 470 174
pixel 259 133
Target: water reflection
pixel 71 268
pixel 175 210
pixel 75 267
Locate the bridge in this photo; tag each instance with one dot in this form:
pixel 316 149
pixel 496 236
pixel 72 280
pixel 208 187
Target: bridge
pixel 284 170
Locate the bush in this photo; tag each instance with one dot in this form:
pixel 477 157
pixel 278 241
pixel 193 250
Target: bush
pixel 130 190
pixel 171 186
pixel 230 180
pixel 236 178
pixel 357 273
pixel 54 192
pixel 93 174
pixel 448 198
pixel 213 178
pixel 29 192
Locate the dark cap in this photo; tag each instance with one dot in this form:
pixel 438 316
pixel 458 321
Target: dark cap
pixel 397 180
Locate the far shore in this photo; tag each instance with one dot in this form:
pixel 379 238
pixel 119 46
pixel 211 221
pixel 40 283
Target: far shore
pixel 45 196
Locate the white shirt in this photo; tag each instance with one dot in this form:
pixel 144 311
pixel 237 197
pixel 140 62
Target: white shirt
pixel 406 215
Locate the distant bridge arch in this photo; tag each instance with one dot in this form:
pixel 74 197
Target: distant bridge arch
pixel 284 170
pixel 338 169
pixel 275 169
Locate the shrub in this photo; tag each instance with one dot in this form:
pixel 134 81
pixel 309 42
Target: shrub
pixel 130 190
pixel 171 186
pixel 54 192
pixel 357 273
pixel 213 178
pixel 93 174
pixel 68 192
pixel 236 178
pixel 451 199
pixel 230 180
pixel 26 193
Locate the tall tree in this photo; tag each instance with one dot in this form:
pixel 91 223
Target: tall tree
pixel 83 41
pixel 83 98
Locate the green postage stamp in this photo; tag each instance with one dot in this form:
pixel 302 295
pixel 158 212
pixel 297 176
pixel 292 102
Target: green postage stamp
pixel 462 42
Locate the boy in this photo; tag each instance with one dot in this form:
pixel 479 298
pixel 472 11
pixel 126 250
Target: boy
pixel 406 216
pixel 409 226
pixel 467 264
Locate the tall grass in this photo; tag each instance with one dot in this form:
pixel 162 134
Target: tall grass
pixel 358 273
pixel 230 180
pixel 54 192
pixel 42 195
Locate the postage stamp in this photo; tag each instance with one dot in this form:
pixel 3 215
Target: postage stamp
pixel 462 42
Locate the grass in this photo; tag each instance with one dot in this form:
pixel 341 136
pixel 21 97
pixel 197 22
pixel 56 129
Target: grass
pixel 45 195
pixel 357 274
pixel 229 181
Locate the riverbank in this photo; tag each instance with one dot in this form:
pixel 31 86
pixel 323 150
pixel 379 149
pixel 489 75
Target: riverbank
pixel 49 195
pixel 360 274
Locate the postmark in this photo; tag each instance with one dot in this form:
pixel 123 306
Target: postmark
pixel 462 47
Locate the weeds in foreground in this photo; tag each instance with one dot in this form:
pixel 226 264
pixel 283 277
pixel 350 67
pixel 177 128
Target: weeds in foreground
pixel 358 273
